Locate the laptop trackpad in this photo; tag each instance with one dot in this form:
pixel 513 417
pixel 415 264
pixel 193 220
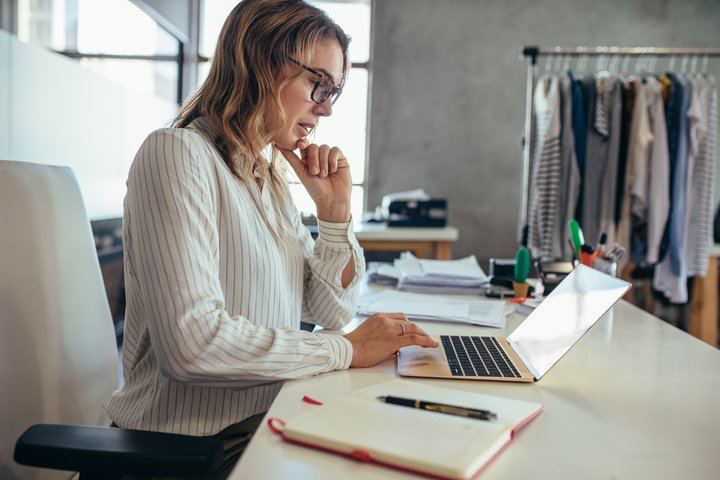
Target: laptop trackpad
pixel 414 361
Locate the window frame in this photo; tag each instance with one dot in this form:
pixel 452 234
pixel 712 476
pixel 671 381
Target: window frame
pixel 10 7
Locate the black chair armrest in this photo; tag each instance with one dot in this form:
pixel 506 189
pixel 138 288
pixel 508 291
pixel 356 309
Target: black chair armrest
pixel 116 451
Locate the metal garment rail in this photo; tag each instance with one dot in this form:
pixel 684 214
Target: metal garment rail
pixel 533 53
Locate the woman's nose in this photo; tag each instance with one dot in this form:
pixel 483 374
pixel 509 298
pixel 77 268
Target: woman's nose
pixel 324 109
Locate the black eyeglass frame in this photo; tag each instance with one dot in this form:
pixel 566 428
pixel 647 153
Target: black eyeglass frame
pixel 335 91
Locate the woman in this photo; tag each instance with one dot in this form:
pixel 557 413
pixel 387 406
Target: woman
pixel 219 270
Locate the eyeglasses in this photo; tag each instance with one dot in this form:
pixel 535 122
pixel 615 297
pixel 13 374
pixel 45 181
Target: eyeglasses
pixel 324 86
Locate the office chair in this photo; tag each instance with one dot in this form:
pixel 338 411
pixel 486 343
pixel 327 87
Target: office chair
pixel 58 357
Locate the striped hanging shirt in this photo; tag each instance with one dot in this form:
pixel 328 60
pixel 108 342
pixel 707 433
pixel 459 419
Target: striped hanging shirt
pixel 219 273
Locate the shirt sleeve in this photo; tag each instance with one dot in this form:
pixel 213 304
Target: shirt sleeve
pixel 172 254
pixel 326 302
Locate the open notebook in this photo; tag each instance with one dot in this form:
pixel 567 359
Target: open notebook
pixel 430 443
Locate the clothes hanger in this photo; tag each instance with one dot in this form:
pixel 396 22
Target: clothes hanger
pixel 642 67
pixel 626 64
pixel 582 63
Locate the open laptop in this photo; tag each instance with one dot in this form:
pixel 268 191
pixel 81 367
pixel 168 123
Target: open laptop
pixel 547 334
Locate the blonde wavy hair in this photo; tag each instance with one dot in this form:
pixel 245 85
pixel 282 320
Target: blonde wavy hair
pixel 242 90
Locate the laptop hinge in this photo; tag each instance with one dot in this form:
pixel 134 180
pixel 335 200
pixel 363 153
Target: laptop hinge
pixel 524 359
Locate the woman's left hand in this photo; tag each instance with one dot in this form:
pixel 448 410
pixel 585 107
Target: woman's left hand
pixel 325 173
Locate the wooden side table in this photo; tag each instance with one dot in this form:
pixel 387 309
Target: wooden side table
pixel 422 242
pixel 703 319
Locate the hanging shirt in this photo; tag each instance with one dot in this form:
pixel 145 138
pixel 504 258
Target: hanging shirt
pixel 673 115
pixel 701 174
pixel 624 218
pixel 628 97
pixel 578 122
pixel 219 273
pixel 587 88
pixel 601 160
pixel 670 276
pixel 570 175
pixel 649 171
pixel 546 170
pixel 679 183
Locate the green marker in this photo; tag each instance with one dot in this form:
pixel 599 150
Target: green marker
pixel 576 236
pixel 522 265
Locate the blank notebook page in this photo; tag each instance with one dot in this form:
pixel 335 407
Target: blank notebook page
pixel 446 445
pixel 392 432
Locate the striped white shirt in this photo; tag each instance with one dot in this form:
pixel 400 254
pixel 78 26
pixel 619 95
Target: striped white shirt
pixel 546 171
pixel 218 276
pixel 701 186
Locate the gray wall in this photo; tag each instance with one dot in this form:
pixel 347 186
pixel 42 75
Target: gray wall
pixel 448 93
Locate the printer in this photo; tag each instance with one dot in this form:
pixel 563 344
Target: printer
pixel 414 208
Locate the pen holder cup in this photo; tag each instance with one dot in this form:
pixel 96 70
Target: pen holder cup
pixel 605 266
pixel 520 289
pixel 552 273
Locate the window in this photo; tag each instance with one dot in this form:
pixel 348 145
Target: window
pixel 347 128
pixel 113 38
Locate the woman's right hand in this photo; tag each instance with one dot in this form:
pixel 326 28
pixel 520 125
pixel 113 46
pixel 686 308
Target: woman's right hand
pixel 325 173
pixel 381 335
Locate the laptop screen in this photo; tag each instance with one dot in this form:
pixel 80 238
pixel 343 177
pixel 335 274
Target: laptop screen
pixel 564 316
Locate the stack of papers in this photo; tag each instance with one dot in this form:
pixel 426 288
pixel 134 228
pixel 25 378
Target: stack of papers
pixel 452 277
pixel 489 313
pixel 526 308
pixel 382 273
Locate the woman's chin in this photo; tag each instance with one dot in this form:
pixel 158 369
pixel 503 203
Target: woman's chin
pixel 286 143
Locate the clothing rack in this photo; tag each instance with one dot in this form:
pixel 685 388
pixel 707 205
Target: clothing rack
pixel 533 53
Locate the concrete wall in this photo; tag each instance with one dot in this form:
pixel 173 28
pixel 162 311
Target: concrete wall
pixel 448 93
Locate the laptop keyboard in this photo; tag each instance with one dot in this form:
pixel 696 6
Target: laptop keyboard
pixel 477 357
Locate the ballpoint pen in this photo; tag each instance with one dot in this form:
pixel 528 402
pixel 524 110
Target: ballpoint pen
pixel 475 413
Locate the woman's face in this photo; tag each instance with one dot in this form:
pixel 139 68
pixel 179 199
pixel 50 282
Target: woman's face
pixel 301 112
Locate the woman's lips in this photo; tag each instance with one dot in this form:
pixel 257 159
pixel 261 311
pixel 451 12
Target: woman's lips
pixel 306 128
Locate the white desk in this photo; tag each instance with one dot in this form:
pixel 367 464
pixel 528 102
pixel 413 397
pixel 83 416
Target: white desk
pixel 636 398
pixel 420 241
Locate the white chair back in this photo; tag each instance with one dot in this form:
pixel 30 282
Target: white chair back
pixel 58 361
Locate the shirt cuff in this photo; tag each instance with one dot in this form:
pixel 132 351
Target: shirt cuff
pixel 336 234
pixel 341 350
